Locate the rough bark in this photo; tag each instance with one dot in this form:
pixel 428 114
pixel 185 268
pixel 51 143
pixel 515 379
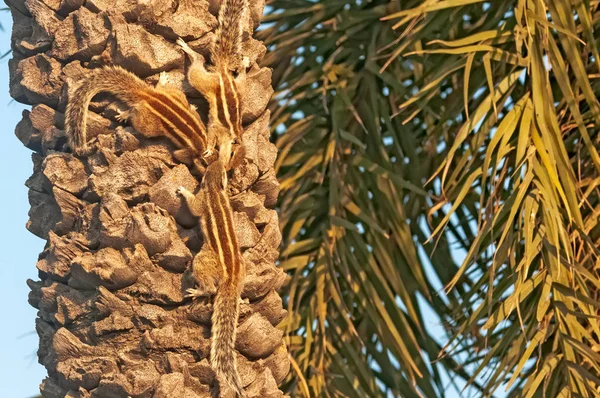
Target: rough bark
pixel 113 320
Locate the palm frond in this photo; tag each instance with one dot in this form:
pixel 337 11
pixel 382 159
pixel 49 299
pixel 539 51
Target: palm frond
pixel 516 126
pixel 364 291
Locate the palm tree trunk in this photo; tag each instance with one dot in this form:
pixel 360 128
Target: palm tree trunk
pixel 113 320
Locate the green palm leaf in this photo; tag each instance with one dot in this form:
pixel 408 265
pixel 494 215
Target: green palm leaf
pixel 429 144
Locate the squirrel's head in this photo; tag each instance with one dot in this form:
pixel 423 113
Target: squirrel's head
pixel 215 176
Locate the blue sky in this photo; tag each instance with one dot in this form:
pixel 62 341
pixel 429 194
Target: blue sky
pixel 18 359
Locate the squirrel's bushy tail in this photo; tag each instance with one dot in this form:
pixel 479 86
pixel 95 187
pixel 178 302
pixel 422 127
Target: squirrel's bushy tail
pixel 114 80
pixel 232 17
pixel 224 324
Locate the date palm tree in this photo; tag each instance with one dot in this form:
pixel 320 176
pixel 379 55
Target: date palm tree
pixel 113 317
pixel 438 163
pixel 439 167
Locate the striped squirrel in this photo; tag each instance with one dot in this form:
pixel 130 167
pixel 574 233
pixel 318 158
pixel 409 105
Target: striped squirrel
pixel 153 111
pixel 219 267
pixel 217 84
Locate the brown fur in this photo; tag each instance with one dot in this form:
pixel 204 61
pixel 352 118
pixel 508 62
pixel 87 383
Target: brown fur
pixel 217 84
pixel 229 33
pixel 152 111
pixel 221 248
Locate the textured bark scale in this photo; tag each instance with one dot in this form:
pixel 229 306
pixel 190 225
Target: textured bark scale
pixel 113 320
